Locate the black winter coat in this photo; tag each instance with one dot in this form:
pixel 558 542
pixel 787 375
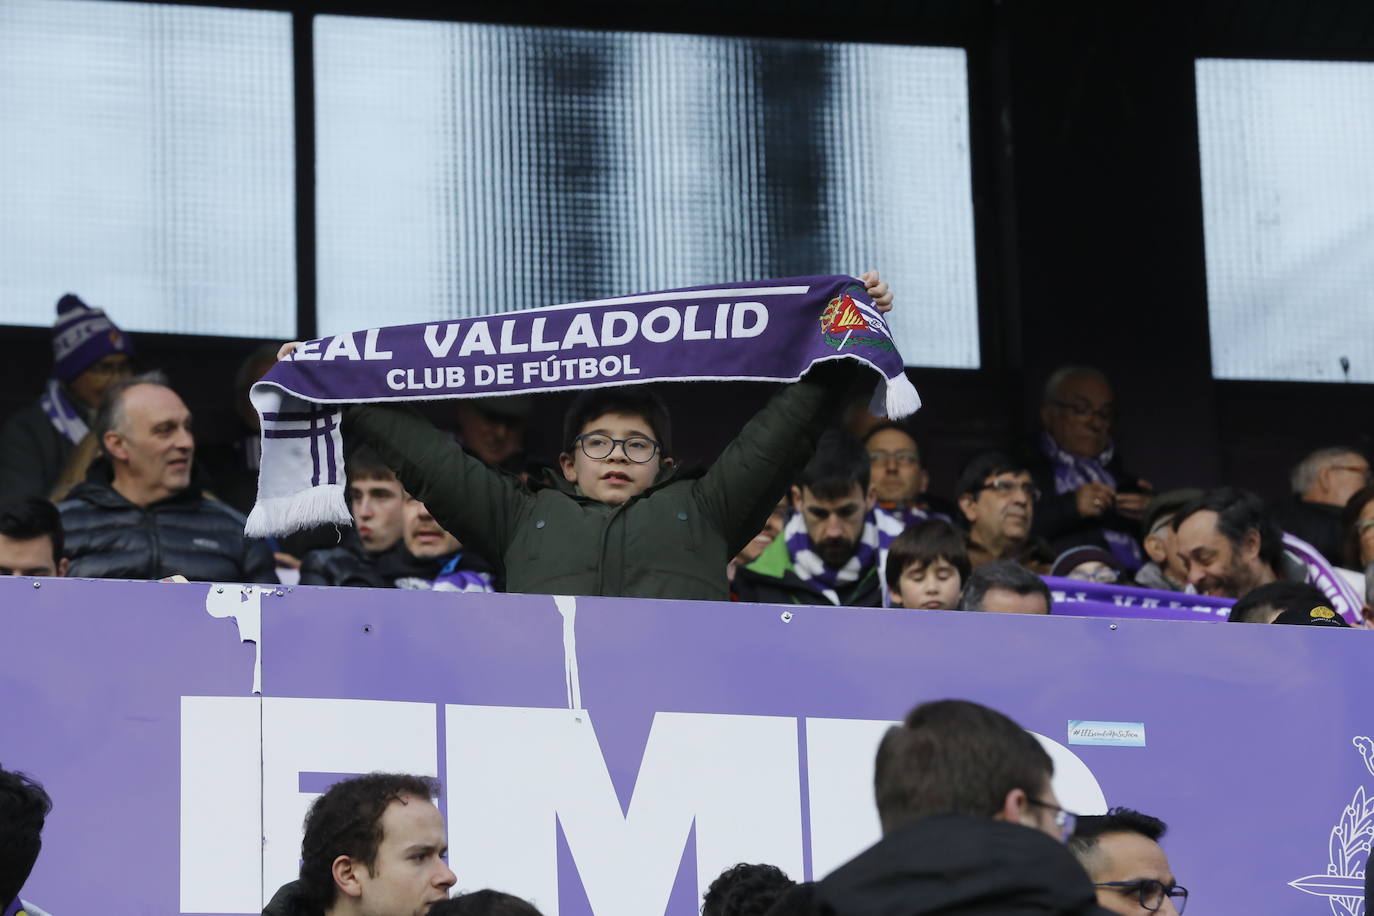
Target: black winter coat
pixel 108 537
pixel 32 454
pixel 952 864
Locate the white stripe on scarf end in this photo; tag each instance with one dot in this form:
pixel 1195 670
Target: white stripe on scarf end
pixel 280 515
pixel 899 397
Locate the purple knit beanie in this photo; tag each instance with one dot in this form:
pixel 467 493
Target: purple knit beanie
pixel 82 336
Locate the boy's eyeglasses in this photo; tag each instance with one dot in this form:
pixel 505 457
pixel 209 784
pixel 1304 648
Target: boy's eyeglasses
pixel 639 449
pixel 1151 893
pixel 1064 820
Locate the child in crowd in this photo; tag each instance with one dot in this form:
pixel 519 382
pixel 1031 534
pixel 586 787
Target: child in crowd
pixel 927 565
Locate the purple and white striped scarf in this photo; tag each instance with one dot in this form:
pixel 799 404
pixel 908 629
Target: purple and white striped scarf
pixel 1072 472
pixel 770 330
pixel 65 418
pixel 880 529
pixel 1308 564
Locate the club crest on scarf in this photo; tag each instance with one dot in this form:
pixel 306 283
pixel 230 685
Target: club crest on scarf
pixel 845 322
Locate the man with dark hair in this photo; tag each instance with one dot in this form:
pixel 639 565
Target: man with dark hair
pixel 139 516
pixel 745 890
pixel 997 498
pixel 1263 604
pixel 48 443
pixel 484 903
pixel 1005 588
pixel 1230 545
pixel 24 806
pixel 376 500
pixel 828 550
pixel 374 845
pixel 619 520
pixel 971 825
pixel 1120 851
pixel 31 539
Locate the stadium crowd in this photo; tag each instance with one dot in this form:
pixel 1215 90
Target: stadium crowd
pixel 101 477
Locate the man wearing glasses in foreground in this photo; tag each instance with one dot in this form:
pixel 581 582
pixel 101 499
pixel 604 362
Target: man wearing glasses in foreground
pixel 971 826
pixel 1121 853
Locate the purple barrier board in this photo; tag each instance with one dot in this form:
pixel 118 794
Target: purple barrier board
pixel 611 756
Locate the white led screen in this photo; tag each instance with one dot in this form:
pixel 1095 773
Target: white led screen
pixel 468 169
pixel 1287 150
pixel 147 164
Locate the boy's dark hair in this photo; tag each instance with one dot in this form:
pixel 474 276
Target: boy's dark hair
pixel 955 757
pixel 638 400
pixel 347 821
pixel 745 890
pixel 363 463
pixel 484 903
pixel 1238 511
pixel 24 806
pixel 839 463
pixel 26 519
pixel 1004 575
pixel 923 543
pixel 988 464
pixel 1282 596
pixel 1090 828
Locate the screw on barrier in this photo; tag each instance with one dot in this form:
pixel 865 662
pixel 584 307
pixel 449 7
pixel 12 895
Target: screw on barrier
pixel 367 628
pixel 38 585
pixel 1113 626
pixel 786 616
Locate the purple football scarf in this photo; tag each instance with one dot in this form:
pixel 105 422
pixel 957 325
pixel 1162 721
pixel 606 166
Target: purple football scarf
pixel 1072 472
pixel 62 413
pixel 770 330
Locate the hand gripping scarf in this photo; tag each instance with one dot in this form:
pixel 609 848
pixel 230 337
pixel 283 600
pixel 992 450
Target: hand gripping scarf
pixel 770 330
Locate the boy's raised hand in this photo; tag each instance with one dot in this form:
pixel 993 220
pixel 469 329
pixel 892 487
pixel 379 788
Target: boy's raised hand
pixel 877 290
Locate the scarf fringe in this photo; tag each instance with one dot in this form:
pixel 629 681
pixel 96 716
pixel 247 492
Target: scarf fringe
pixel 900 397
pixel 280 515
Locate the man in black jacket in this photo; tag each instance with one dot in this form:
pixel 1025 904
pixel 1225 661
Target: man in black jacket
pixel 970 824
pixel 138 516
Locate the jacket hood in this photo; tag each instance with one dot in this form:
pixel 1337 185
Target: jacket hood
pixel 952 863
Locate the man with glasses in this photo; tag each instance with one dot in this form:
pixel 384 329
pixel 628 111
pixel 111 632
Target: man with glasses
pixel 997 498
pixel 971 825
pixel 1322 483
pixel 1087 496
pixel 1120 851
pixel 899 475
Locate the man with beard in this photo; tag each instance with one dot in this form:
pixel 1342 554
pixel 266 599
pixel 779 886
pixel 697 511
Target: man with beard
pixel 1230 545
pixel 997 498
pixel 829 548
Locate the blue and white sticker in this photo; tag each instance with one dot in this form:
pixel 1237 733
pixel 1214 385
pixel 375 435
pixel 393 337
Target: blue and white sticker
pixel 1116 734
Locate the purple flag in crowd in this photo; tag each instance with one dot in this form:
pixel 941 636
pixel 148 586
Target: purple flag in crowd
pixel 770 330
pixel 1077 598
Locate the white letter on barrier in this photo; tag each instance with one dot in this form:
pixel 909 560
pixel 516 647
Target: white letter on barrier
pixel 512 770
pixel 221 803
pixel 329 736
